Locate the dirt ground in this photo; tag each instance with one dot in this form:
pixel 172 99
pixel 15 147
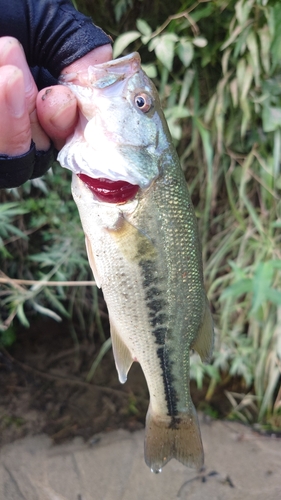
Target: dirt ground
pixel 43 388
pixel 68 453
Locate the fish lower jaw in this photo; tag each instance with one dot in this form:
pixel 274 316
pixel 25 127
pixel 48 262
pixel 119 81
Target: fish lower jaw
pixel 106 190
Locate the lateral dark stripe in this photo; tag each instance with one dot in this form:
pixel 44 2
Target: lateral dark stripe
pixel 170 393
pixel 156 305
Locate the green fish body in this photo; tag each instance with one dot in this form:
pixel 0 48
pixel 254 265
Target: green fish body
pixel 144 251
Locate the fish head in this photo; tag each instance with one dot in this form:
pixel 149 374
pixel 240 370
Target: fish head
pixel 122 132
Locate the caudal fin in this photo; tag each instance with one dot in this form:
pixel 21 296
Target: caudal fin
pixel 173 437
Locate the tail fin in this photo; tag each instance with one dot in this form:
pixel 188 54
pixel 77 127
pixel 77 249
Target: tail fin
pixel 173 437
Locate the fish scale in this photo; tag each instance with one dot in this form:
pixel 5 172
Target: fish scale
pixel 144 252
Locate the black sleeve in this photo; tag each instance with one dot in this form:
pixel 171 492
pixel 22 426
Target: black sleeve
pixel 15 170
pixel 52 32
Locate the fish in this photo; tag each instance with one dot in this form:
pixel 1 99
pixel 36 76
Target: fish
pixel 143 246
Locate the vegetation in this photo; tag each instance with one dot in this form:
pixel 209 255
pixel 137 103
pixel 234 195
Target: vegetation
pixel 217 67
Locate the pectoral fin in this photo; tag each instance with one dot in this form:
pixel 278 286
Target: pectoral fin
pixel 92 261
pixel 122 355
pixel 205 338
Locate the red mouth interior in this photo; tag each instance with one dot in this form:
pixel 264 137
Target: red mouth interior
pixel 110 191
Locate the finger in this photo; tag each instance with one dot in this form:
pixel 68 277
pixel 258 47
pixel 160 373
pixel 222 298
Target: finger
pixel 57 112
pixel 15 137
pixel 11 52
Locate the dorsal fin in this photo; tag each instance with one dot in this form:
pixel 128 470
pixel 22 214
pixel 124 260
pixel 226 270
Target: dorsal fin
pixel 204 341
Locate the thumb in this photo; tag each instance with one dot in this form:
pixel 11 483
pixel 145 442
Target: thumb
pixel 97 56
pixel 57 106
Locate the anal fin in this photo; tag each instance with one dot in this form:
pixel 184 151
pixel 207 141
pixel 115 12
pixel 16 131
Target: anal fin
pixel 122 355
pixel 205 339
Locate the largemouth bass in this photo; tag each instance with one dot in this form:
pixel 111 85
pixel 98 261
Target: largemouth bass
pixel 143 246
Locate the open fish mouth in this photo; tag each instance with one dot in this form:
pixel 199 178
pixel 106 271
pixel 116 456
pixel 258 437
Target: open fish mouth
pixel 110 191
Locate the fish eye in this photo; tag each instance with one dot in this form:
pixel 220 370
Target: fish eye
pixel 143 102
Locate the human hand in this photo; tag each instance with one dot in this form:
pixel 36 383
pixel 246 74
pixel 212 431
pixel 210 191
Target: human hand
pixel 26 114
pixel 57 107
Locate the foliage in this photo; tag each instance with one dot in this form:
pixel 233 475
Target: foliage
pixel 216 65
pixel 42 241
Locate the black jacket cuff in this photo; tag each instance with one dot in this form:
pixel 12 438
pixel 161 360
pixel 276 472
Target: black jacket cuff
pixel 15 170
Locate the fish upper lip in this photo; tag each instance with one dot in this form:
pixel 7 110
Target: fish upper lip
pixel 104 70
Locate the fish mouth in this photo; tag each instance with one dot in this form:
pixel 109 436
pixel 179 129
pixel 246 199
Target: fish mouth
pixel 110 191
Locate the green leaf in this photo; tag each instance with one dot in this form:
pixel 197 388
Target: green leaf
pixel 244 103
pixel 7 337
pixel 21 315
pixel 103 350
pixel 274 296
pixel 122 42
pixel 150 70
pixel 186 85
pixel 164 49
pixel 265 42
pixel 200 41
pixel 209 113
pixel 232 37
pixel 207 144
pixel 233 87
pixel 243 10
pixel 254 51
pixel 271 118
pixel 185 52
pixel 277 153
pixel 46 311
pixel 247 80
pixel 143 27
pixel 237 289
pixel 261 283
pixel 177 112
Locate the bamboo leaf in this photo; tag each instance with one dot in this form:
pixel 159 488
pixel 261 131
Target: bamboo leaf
pixel 46 312
pixel 254 51
pixel 103 350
